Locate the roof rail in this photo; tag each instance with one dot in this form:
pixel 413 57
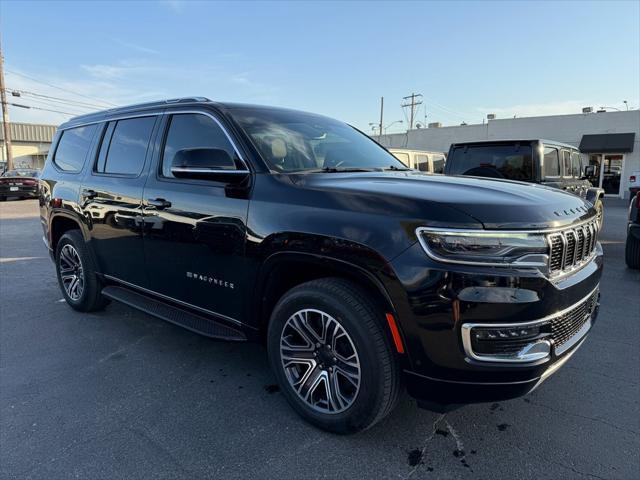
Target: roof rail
pixel 160 102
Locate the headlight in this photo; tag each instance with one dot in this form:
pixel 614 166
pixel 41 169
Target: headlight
pixel 485 248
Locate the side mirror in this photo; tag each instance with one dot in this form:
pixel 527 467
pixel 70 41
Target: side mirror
pixel 206 164
pixel 589 171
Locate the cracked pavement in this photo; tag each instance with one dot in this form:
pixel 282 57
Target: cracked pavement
pixel 122 395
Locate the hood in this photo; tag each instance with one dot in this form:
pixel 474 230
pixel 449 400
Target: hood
pixel 497 204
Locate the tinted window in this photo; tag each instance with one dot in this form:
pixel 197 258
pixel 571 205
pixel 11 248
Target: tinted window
pixel 566 163
pixel 551 163
pixel 73 147
pixel 124 146
pixel 494 161
pixel 191 130
pixel 576 164
pixel 422 163
pixel 438 164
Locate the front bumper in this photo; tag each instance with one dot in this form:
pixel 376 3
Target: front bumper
pixel 436 305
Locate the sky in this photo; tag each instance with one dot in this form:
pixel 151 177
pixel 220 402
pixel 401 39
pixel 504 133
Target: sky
pixel 467 59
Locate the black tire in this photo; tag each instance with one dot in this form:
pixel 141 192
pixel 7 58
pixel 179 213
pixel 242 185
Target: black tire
pixel 632 252
pixel 90 298
pixel 356 313
pixel 3 198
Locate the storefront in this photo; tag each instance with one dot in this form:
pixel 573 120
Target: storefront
pixel 607 153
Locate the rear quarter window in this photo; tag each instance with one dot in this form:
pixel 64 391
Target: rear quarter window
pixel 73 147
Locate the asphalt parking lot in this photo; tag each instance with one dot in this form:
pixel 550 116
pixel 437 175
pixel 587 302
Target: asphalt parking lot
pixel 120 394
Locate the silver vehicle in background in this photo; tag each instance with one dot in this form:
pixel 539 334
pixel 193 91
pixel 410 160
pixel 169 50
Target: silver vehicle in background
pixel 422 160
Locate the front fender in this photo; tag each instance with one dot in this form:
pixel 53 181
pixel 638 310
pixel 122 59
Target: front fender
pixel 593 194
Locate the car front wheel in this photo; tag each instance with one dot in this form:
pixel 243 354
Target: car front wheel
pixel 331 356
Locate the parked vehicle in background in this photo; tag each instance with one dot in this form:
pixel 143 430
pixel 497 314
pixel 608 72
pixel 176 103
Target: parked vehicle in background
pixel 421 160
pixel 244 222
pixel 545 162
pixel 634 182
pixel 632 247
pixel 19 182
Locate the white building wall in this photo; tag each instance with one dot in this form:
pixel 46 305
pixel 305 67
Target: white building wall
pixel 562 128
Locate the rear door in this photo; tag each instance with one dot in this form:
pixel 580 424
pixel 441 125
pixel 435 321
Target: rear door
pixel 111 197
pixel 195 230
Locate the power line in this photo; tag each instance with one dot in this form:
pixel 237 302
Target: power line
pixel 47 103
pixel 39 108
pixel 55 99
pixel 412 101
pixel 63 89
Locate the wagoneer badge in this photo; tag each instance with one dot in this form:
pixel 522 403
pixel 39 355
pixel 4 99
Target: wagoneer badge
pixel 211 280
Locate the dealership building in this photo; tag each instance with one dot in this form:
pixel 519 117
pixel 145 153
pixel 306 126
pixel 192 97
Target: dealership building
pixel 30 144
pixel 610 140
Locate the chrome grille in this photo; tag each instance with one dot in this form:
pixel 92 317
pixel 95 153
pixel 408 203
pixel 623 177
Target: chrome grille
pixel 572 247
pixel 565 326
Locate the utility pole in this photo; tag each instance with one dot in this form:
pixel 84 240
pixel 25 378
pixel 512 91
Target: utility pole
pixel 5 114
pixel 381 113
pixel 412 101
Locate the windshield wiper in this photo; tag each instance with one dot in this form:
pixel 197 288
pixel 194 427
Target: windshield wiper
pixel 342 170
pixel 397 169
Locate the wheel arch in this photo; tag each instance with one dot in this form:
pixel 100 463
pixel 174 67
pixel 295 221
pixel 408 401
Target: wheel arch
pixel 59 224
pixel 285 270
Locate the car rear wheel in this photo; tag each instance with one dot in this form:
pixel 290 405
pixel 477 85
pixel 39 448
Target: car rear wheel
pixel 632 252
pixel 333 361
pixel 77 277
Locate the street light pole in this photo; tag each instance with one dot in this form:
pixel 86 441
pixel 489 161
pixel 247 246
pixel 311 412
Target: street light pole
pixel 5 114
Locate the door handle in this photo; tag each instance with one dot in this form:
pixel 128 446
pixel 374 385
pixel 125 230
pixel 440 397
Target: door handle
pixel 89 194
pixel 159 203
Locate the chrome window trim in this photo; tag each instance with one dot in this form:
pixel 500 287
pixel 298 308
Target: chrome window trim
pixel 465 331
pixel 166 113
pixel 166 297
pixel 209 170
pixel 222 127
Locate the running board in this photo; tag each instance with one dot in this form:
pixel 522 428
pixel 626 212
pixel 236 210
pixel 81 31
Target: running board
pixel 157 308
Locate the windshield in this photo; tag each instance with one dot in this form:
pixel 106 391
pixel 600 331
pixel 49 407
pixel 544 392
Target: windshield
pixel 20 173
pixel 495 161
pixel 292 141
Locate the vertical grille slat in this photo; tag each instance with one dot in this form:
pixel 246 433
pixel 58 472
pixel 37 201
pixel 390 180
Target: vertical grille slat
pixel 570 248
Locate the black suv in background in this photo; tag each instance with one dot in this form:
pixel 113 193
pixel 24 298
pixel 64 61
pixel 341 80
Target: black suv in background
pixel 545 162
pixel 244 222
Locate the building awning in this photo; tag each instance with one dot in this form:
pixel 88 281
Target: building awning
pixel 607 143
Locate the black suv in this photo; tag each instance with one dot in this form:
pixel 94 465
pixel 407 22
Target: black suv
pixel 253 223
pixel 545 162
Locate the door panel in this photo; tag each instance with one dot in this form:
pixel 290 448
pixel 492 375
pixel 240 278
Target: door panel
pixel 611 174
pixel 112 201
pixel 194 233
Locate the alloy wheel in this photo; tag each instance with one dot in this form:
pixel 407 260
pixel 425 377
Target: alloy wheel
pixel 71 272
pixel 320 361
